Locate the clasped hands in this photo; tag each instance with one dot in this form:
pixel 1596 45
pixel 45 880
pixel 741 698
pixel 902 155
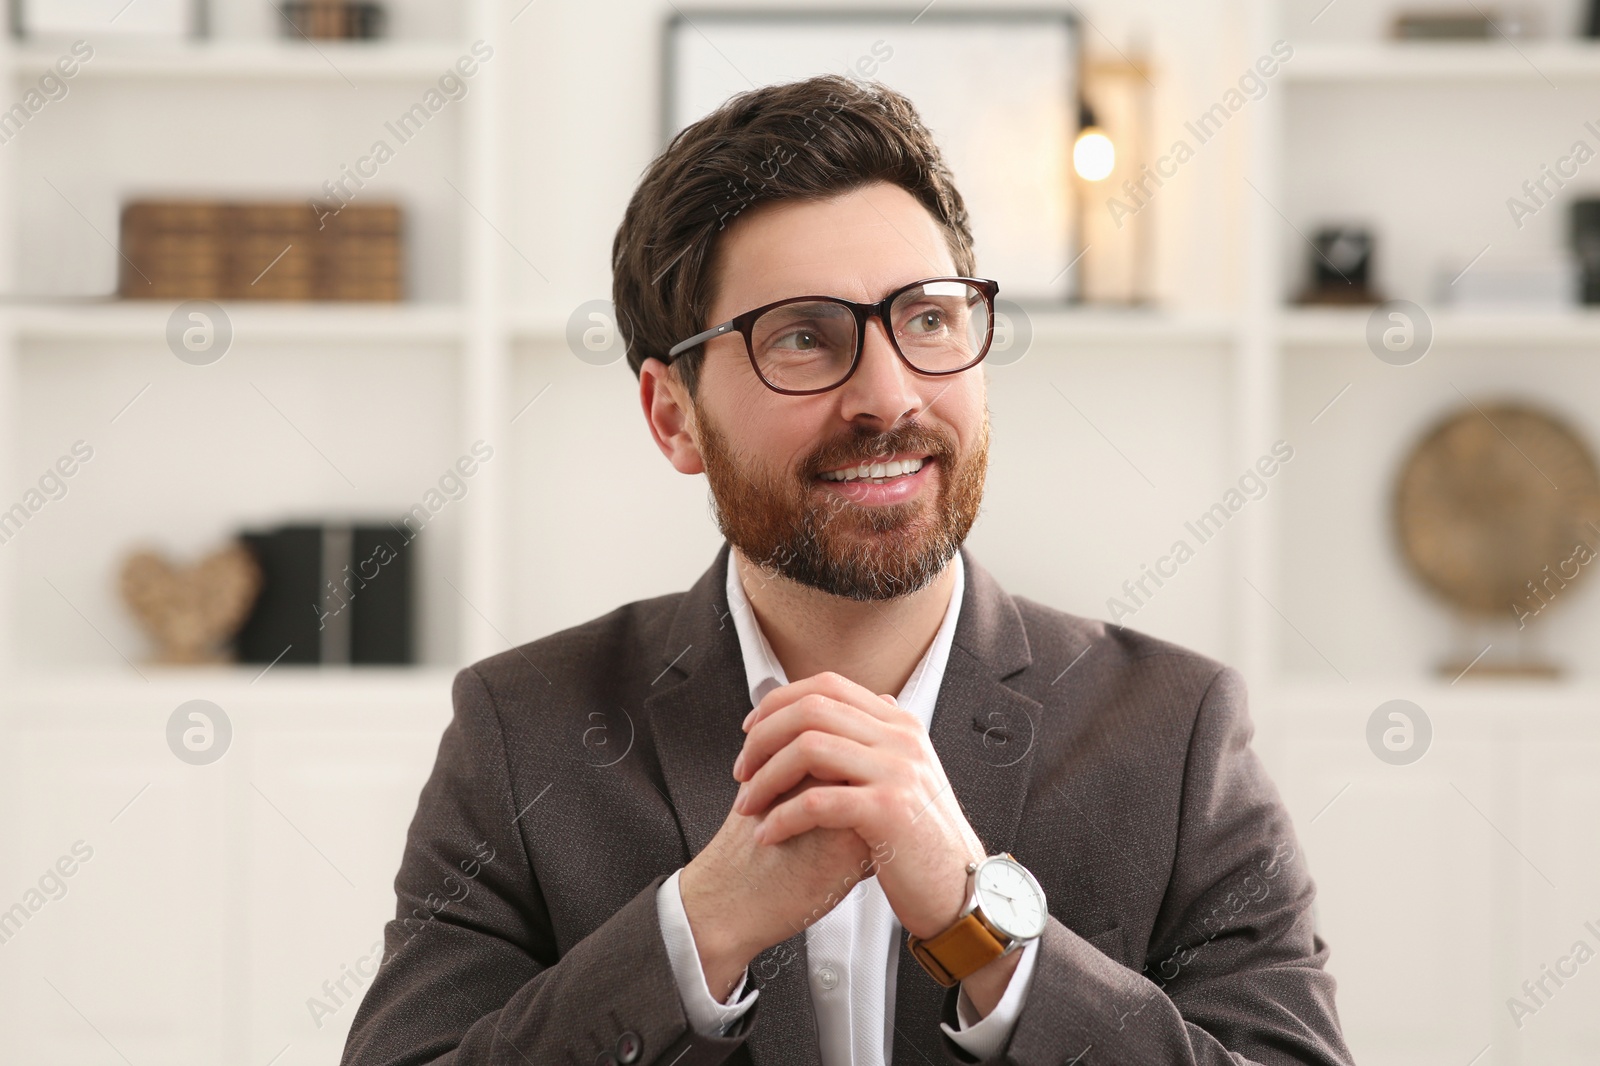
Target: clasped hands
pixel 836 784
pixel 826 753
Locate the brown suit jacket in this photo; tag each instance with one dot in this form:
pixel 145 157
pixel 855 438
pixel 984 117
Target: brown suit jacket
pixel 580 770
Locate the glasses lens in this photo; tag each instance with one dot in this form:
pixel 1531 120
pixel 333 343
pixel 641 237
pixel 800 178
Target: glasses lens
pixel 806 345
pixel 941 326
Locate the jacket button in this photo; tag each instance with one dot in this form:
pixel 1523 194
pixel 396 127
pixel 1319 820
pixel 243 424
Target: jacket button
pixel 629 1047
pixel 605 1058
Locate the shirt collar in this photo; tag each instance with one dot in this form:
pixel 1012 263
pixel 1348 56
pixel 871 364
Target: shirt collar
pixel 765 673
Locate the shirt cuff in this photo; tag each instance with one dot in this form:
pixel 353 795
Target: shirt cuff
pixel 983 1037
pixel 706 1016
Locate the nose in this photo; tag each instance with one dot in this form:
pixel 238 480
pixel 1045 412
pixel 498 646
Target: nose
pixel 883 390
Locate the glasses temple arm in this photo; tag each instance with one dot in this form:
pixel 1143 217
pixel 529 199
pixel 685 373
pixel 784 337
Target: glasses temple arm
pixel 700 338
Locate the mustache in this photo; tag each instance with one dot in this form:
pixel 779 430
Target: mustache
pixel 877 447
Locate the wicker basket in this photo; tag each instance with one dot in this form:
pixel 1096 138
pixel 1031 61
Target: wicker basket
pixel 209 249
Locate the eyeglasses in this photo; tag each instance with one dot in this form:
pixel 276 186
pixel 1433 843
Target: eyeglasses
pixel 810 344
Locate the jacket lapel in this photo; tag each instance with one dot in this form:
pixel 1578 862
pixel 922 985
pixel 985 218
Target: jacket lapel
pixel 695 720
pixel 982 730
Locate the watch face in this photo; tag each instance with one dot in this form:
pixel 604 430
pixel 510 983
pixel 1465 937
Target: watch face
pixel 1011 898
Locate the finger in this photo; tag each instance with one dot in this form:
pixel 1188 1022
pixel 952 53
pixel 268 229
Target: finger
pixel 821 755
pixel 836 686
pixel 807 782
pixel 813 712
pixel 829 684
pixel 822 807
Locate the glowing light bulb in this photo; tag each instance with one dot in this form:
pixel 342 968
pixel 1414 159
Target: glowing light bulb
pixel 1093 155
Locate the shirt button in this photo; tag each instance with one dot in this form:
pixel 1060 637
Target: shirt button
pixel 827 977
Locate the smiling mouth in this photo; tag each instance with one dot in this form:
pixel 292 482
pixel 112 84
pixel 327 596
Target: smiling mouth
pixel 878 473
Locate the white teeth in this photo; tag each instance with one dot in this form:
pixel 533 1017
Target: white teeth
pixel 876 472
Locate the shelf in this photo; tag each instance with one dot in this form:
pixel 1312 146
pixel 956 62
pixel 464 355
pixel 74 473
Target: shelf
pixel 1532 62
pixel 339 61
pixel 125 319
pixel 396 691
pixel 1346 327
pixel 1480 698
pixel 1104 325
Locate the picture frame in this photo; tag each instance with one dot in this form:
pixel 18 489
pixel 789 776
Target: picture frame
pixel 998 88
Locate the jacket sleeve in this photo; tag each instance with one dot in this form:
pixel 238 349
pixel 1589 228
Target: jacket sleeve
pixel 470 971
pixel 1234 967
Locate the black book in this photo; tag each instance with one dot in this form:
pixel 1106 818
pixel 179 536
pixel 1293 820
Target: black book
pixel 333 594
pixel 380 632
pixel 282 623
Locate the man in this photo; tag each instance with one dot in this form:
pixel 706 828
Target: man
pixel 845 800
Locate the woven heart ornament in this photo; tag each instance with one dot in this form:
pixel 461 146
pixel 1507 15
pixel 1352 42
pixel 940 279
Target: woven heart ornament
pixel 191 612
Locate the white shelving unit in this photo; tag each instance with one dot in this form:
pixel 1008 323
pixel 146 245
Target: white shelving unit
pixel 282 853
pixel 461 329
pixel 1444 883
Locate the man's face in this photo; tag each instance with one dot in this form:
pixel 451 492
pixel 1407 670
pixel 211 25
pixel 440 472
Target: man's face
pixel 764 453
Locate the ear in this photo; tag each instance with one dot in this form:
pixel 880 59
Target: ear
pixel 670 415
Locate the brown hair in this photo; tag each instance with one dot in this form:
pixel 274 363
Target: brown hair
pixel 803 140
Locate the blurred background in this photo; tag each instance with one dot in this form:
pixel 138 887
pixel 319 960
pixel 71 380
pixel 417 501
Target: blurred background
pixel 310 395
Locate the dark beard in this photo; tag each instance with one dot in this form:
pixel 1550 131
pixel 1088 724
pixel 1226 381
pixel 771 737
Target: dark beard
pixel 786 526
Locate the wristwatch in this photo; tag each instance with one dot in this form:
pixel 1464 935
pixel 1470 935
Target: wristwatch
pixel 1005 909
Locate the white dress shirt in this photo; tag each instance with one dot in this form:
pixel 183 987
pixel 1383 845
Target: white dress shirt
pixel 853 950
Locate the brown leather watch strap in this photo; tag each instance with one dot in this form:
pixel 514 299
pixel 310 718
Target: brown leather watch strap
pixel 963 949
